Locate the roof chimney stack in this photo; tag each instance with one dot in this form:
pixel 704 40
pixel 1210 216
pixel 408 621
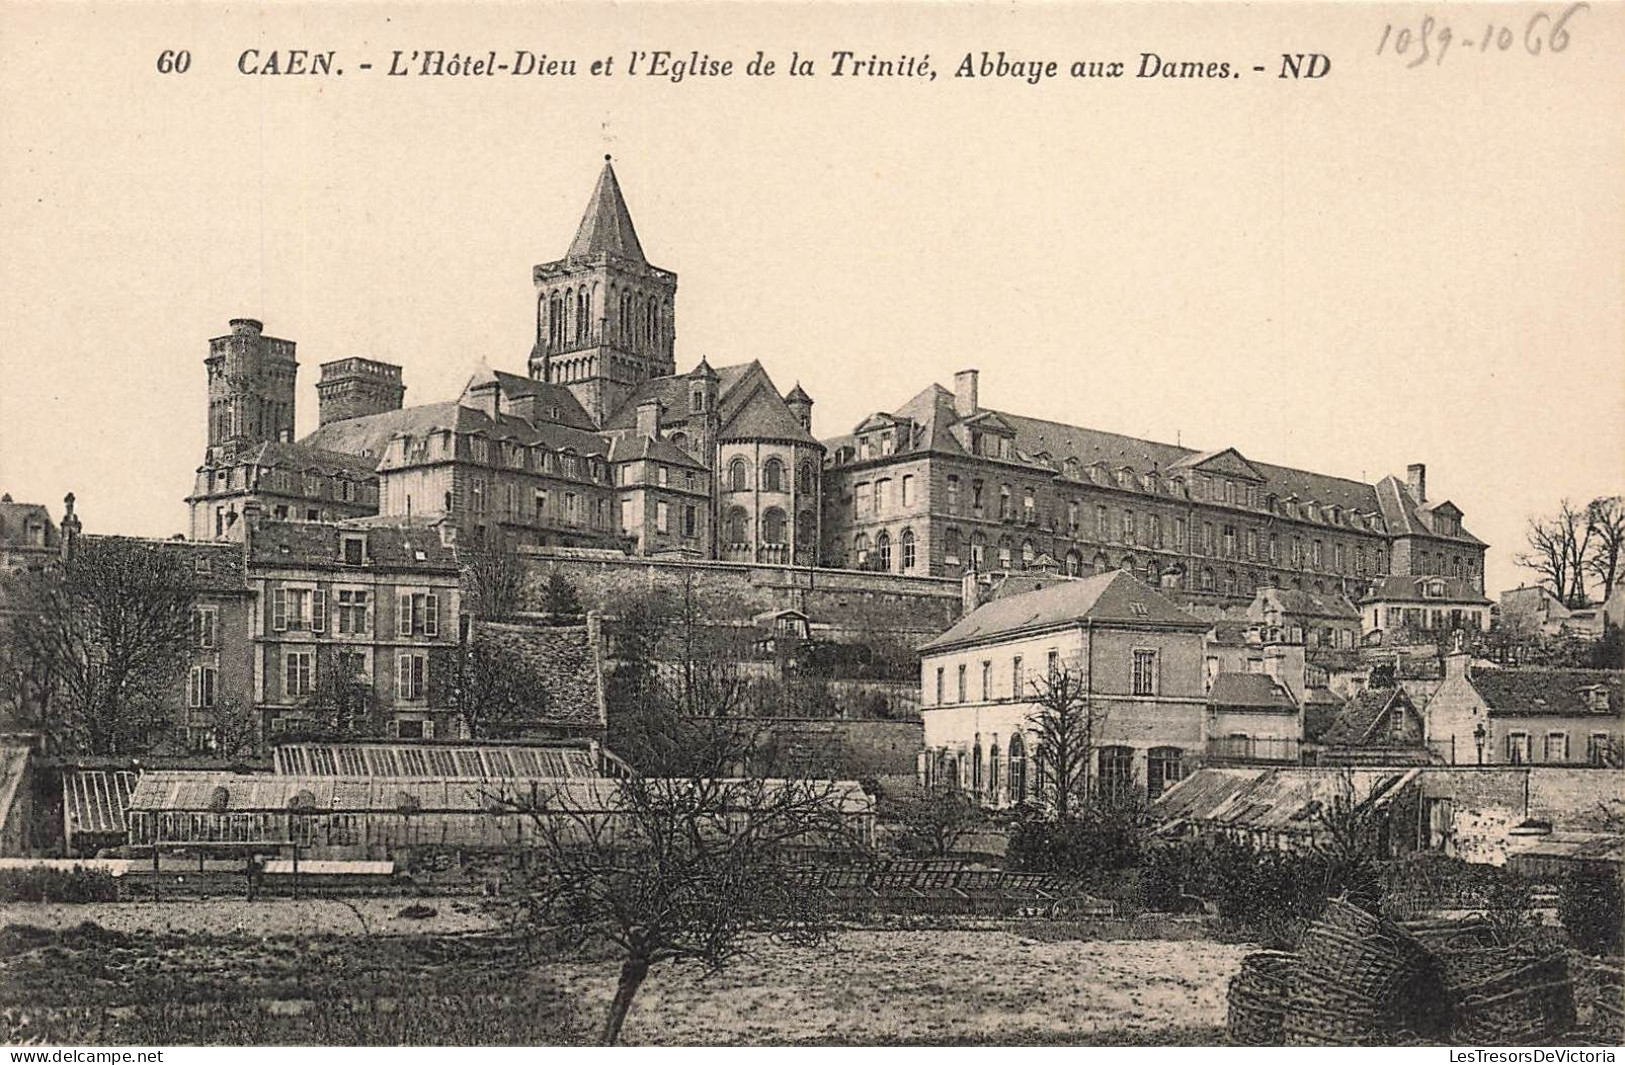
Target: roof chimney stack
pixel 649 419
pixel 965 399
pixel 1416 481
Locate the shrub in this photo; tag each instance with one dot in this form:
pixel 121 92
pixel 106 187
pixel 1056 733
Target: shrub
pixel 1101 841
pixel 45 884
pixel 1592 909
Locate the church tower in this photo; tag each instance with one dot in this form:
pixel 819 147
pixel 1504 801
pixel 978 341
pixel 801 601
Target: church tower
pixel 251 389
pixel 604 316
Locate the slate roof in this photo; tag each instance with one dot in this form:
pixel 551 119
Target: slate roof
pixel 1403 589
pixel 1106 598
pixel 749 407
pixel 224 569
pixel 933 410
pixel 1255 691
pixel 606 226
pixel 631 448
pixel 1353 726
pixel 305 457
pixel 14 521
pixel 555 403
pixel 307 544
pixel 1326 605
pixel 371 434
pixel 1547 692
pixel 1405 517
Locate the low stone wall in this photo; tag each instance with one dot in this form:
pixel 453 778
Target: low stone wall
pixel 842 604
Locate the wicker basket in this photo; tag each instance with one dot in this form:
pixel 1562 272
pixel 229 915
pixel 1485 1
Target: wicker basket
pixel 1325 1012
pixel 1530 1003
pixel 1257 1000
pixel 1372 957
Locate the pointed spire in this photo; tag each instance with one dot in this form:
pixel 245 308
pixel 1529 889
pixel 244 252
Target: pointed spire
pixel 606 228
pixel 798 395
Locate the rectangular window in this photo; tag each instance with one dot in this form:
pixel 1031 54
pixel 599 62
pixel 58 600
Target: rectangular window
pixel 665 476
pixel 1557 746
pixel 953 495
pixel 662 516
pixel 626 515
pixel 1102 523
pixel 1518 748
pixel 1598 748
pixel 1017 680
pixel 908 490
pixel 200 690
pixel 411 675
pixel 1229 541
pixel 351 610
pixel 1207 538
pixel 1179 534
pixel 299 673
pixel 541 504
pixel 204 620
pixel 318 610
pixel 1145 672
pixel 940 672
pixel 963 691
pixel 987 682
pixel 279 610
pixel 690 520
pixel 1252 544
pixel 419 614
pixel 355 550
pixel 1128 526
pixel 1054 664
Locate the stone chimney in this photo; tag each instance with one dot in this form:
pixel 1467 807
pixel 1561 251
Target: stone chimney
pixel 965 398
pixel 1456 664
pixel 485 397
pixel 69 528
pixel 1285 663
pixel 355 388
pixel 1416 481
pixel 649 419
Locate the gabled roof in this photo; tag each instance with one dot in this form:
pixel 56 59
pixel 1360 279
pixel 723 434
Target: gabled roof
pixel 304 457
pixel 15 518
pixel 632 448
pixel 606 226
pixel 369 436
pixel 1226 461
pixel 1255 691
pixel 1405 517
pixel 1547 692
pixel 1409 589
pixel 1312 604
pixel 554 403
pixel 1353 727
pixel 1118 599
pixel 752 409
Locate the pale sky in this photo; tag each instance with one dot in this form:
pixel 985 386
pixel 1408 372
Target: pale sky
pixel 1383 266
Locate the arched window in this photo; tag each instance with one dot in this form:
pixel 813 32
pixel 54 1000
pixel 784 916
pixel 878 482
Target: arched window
pixel 806 530
pixel 1004 501
pixel 804 477
pixel 650 317
pixel 978 551
pixel 1018 769
pixel 883 549
pixel 1153 571
pixel 1100 563
pixel 993 774
pixel 738 475
pixel 583 313
pixel 1207 579
pixel 773 476
pixel 1004 552
pixel 737 527
pixel 1027 554
pixel 1229 582
pixel 976 766
pixel 860 548
pixel 1074 567
pixel 773 526
pixel 1163 767
pixel 1127 563
pixel 680 439
pixel 908 549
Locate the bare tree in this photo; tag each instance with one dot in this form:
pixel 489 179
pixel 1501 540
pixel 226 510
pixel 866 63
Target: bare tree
pixel 493 579
pixel 1067 726
pixel 1606 516
pixel 102 643
pixel 234 728
pixel 668 869
pixel 1558 549
pixel 344 699
pixel 935 823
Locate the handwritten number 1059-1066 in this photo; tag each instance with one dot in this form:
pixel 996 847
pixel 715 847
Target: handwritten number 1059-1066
pixel 1542 33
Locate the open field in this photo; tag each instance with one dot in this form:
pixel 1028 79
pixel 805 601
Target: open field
pixel 274 974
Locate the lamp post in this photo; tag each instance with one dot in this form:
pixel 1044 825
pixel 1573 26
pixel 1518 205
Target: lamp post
pixel 1478 738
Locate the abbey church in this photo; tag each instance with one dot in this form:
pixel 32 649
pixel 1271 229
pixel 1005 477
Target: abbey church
pixel 603 444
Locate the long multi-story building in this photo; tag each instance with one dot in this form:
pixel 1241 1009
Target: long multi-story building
pixel 944 485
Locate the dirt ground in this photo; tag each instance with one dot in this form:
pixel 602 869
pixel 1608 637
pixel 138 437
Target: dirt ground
pixel 262 917
pixel 941 987
pixel 994 986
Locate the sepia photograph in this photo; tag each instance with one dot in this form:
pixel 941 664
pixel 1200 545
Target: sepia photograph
pixel 812 523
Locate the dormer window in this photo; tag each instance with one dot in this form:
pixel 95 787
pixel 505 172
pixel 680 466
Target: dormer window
pixel 353 550
pixel 1434 590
